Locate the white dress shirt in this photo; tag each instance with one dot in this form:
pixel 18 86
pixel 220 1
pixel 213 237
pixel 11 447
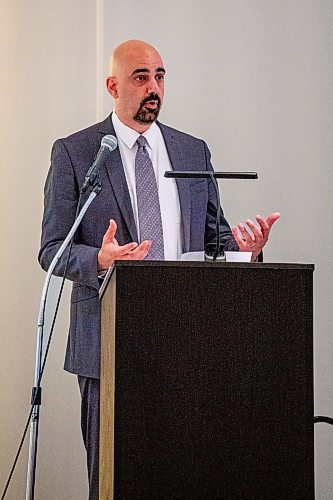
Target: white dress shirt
pixel 167 188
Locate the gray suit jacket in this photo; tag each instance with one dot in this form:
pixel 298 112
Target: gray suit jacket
pixel 70 160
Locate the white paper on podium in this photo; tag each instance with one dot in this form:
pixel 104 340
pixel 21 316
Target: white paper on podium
pixel 238 256
pixel 230 256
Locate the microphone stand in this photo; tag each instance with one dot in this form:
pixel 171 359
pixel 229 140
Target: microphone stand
pixel 213 251
pixel 37 390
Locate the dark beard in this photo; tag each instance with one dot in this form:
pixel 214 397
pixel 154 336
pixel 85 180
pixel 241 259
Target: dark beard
pixel 145 116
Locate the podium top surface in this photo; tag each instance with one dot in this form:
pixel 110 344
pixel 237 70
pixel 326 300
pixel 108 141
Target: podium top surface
pixel 237 265
pixel 182 265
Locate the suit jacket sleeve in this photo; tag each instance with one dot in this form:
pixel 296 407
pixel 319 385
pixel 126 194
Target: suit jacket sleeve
pixel 61 195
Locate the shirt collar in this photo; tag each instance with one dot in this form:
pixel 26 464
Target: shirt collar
pixel 129 136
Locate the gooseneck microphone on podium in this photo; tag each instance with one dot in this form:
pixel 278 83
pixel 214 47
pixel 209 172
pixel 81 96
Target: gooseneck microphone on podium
pixel 213 251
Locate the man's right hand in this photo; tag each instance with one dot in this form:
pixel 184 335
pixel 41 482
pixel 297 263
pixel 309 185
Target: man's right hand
pixel 111 250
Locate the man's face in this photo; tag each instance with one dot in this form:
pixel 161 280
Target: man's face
pixel 138 87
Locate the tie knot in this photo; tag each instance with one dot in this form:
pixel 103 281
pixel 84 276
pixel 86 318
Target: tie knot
pixel 141 141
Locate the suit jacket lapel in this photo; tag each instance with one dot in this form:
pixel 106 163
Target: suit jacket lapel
pixel 177 161
pixel 116 174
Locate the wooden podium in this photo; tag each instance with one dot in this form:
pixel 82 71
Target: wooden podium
pixel 207 382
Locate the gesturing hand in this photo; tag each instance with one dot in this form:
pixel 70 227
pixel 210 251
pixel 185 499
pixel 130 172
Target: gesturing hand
pixel 255 238
pixel 111 250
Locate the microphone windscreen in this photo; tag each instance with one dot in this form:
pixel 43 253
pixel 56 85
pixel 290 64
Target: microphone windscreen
pixel 110 142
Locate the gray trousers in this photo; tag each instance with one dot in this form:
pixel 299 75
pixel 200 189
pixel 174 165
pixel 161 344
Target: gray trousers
pixel 89 388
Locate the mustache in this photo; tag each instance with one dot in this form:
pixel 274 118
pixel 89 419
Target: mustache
pixel 151 97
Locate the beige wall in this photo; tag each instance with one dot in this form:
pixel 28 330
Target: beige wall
pixel 253 77
pixel 47 90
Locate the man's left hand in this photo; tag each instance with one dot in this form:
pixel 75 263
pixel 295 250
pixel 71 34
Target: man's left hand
pixel 254 238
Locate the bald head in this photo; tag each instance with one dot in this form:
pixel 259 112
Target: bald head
pixel 129 50
pixel 136 82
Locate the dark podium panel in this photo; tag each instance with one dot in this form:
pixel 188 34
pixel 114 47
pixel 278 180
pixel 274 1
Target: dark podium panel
pixel 207 382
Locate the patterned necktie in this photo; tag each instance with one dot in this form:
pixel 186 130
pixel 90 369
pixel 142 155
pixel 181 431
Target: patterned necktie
pixel 150 221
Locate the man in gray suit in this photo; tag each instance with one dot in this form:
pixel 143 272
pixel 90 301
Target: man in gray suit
pixel 114 227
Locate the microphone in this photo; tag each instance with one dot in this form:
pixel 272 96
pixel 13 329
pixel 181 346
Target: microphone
pixel 108 144
pixel 213 251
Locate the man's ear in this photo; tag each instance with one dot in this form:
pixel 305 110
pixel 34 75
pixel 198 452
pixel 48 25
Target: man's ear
pixel 111 85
